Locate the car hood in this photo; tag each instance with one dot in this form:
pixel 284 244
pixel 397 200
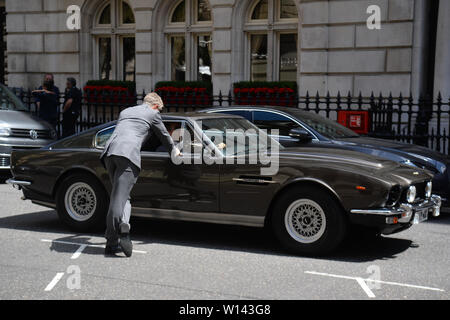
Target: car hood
pixel 21 120
pixel 359 162
pixel 397 151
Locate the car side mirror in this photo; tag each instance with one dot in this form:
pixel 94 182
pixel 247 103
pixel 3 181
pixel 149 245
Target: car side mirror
pixel 300 134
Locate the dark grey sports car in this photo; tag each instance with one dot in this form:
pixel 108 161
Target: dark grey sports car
pixel 309 202
pixel 319 130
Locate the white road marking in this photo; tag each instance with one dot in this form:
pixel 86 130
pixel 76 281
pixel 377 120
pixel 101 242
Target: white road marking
pixel 373 280
pixel 87 245
pixel 54 281
pixel 365 287
pixel 79 251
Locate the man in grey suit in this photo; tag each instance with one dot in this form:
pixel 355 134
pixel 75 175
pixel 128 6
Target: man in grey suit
pixel 122 159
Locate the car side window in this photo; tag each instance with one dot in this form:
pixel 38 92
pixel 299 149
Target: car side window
pixel 270 120
pixel 154 145
pixel 178 130
pixel 102 137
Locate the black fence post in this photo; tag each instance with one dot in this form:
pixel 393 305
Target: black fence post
pixel 423 117
pixel 410 114
pixel 438 118
pixel 220 98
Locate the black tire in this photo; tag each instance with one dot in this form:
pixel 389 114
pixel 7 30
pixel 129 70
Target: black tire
pixel 89 188
pixel 329 235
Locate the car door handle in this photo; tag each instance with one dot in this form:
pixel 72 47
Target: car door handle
pixel 253 180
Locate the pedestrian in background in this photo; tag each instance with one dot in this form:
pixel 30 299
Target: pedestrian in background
pixel 47 100
pixel 71 108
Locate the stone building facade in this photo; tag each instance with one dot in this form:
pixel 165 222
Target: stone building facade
pixel 325 45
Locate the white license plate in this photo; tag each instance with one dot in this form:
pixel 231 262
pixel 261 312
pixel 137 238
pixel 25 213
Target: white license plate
pixel 420 216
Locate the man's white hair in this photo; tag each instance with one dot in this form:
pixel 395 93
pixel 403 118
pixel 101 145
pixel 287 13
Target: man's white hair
pixel 154 99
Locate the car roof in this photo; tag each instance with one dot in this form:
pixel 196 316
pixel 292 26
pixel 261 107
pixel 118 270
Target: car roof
pixel 289 110
pixel 195 115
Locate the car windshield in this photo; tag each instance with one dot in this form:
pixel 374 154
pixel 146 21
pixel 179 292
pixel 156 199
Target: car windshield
pixel 9 101
pixel 326 127
pixel 246 137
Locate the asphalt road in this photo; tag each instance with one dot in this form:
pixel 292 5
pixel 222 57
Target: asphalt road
pixel 41 259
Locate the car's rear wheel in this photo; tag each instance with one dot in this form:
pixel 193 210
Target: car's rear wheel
pixel 81 202
pixel 308 221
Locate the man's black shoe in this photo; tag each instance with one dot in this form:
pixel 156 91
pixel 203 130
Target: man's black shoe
pixel 126 244
pixel 112 249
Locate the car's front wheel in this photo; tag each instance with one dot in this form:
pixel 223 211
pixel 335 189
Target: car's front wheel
pixel 81 202
pixel 308 221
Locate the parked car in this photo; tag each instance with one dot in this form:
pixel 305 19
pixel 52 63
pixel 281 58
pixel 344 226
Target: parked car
pixel 19 129
pixel 321 131
pixel 309 203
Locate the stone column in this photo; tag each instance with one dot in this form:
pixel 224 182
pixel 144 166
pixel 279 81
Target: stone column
pixel 442 61
pixel 144 72
pixel 420 47
pixel 221 36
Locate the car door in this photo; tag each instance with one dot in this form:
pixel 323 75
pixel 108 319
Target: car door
pixel 244 190
pixel 163 184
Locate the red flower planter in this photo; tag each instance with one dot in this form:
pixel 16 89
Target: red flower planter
pixel 265 96
pixel 108 94
pixel 184 96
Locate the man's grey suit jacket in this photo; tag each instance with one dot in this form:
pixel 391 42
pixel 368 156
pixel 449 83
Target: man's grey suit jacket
pixel 134 127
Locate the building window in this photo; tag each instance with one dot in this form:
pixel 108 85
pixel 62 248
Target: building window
pixel 204 57
pixel 203 11
pixel 105 16
pixel 258 57
pixel 179 14
pixel 178 51
pixel 189 39
pixel 260 12
pixel 287 9
pixel 288 57
pixel 113 35
pixel 104 45
pixel 271 29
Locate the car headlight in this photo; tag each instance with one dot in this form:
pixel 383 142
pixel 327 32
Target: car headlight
pixel 5 132
pixel 53 134
pixel 411 194
pixel 428 188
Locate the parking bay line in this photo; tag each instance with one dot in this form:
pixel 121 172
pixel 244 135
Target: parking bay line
pixel 82 246
pixel 78 252
pixel 362 282
pixel 365 287
pixel 54 281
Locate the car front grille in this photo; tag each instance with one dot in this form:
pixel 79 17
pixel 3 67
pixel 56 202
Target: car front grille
pixel 25 133
pixel 4 161
pixel 420 189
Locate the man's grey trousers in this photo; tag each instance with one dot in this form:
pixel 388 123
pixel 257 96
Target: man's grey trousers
pixel 123 175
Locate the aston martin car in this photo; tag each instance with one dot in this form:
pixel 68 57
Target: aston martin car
pixel 223 176
pixel 19 129
pixel 328 133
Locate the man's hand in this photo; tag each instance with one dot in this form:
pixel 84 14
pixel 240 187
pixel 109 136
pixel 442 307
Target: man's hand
pixel 177 152
pixel 221 146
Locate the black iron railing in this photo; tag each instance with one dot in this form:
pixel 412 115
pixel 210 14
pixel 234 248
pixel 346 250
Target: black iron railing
pixel 423 121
